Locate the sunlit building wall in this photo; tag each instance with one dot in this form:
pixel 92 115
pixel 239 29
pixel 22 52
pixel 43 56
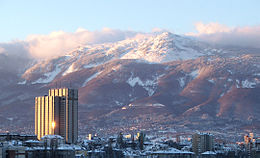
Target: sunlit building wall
pixel 57 113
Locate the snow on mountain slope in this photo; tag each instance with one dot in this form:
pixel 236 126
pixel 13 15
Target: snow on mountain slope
pixel 155 48
pixel 149 85
pixel 168 47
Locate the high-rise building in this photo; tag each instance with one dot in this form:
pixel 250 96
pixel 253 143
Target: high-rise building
pixel 141 137
pixel 202 142
pixel 57 114
pixel 250 144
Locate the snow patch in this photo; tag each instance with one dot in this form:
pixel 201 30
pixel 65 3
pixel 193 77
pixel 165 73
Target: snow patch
pixel 22 82
pixel 237 83
pixel 10 118
pixel 92 65
pixel 248 84
pixel 70 70
pixel 209 153
pixel 204 116
pixel 211 81
pixel 52 137
pixel 118 103
pixel 90 78
pixel 182 81
pixel 257 74
pixel 116 68
pixel 149 85
pixel 194 73
pixel 133 81
pixel 230 72
pixel 156 105
pixel 48 76
pixel 230 80
pixel 68 55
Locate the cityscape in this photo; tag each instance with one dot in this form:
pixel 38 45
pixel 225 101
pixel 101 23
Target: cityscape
pixel 56 135
pixel 130 79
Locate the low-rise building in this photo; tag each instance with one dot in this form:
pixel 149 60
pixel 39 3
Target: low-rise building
pixel 172 153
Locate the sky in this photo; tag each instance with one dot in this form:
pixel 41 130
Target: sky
pixel 46 28
pixel 20 19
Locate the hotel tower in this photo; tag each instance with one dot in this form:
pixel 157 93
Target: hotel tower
pixel 57 114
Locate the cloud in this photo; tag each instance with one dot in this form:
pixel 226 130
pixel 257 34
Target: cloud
pixel 210 28
pixel 14 56
pixel 17 55
pixel 2 50
pixel 60 42
pixel 216 33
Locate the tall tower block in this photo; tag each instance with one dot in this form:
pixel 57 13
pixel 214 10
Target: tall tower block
pixel 57 114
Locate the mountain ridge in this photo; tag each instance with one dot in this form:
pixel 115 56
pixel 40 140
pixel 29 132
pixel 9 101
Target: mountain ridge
pixel 163 79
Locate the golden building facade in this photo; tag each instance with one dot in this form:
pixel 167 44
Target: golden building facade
pixel 57 114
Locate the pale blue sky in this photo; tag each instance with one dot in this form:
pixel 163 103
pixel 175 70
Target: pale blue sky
pixel 21 18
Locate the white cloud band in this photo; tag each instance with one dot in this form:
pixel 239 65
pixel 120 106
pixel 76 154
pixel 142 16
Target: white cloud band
pixel 58 43
pixel 223 35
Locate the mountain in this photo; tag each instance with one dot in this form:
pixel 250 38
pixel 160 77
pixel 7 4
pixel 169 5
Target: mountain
pixel 150 82
pixel 159 48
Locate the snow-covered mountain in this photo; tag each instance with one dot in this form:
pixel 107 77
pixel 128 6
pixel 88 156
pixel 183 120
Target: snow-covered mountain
pixel 151 78
pixel 158 48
